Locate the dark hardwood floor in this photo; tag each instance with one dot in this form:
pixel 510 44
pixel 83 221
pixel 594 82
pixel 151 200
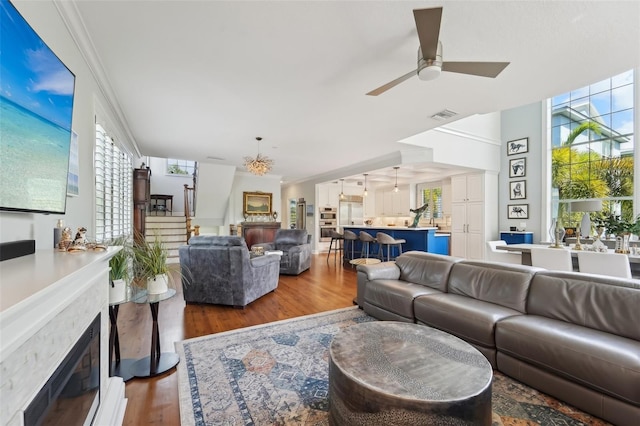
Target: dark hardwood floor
pixel 326 286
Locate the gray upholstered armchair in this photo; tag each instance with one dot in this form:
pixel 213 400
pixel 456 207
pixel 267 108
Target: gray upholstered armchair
pixel 296 250
pixel 219 270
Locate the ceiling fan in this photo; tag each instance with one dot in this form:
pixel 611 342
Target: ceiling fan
pixel 430 62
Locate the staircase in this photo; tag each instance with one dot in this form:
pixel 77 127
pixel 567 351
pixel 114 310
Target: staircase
pixel 172 232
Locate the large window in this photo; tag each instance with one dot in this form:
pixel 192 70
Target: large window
pixel 114 189
pixel 180 167
pixel 592 139
pixel 431 194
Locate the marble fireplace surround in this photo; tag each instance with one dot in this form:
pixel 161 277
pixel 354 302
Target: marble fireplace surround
pixel 47 300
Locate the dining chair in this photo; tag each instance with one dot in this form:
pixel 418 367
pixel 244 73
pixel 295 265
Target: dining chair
pixel 496 255
pixel 552 258
pixel 611 264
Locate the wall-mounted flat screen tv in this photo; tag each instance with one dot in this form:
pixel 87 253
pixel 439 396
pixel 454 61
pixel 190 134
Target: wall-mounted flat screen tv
pixel 36 107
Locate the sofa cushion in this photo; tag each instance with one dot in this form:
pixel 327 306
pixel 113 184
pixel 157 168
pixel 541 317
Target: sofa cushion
pixel 427 269
pixel 602 361
pixel 503 284
pixel 598 302
pixel 214 240
pixel 395 296
pixel 470 319
pixel 290 237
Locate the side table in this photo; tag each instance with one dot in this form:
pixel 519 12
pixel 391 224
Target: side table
pixel 118 367
pixel 157 362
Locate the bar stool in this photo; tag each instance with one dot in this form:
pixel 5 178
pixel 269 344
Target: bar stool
pixel 367 239
pixel 349 237
pixel 338 238
pixel 387 240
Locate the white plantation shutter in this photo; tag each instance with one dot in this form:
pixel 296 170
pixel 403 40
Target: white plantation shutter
pixel 114 188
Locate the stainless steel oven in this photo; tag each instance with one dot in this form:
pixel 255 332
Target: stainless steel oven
pixel 328 222
pixel 328 213
pixel 325 232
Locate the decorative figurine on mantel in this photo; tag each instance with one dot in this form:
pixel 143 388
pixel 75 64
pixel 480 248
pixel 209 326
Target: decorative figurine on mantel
pixel 65 239
pixel 79 242
pixel 418 213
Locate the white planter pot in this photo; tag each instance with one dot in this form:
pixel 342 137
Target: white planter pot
pixel 157 285
pixel 117 291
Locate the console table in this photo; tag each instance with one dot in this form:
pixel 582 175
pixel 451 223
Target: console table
pixel 160 203
pixel 259 232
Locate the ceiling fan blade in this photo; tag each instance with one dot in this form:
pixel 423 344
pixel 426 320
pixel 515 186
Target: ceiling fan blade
pixel 428 26
pixel 482 69
pixel 391 84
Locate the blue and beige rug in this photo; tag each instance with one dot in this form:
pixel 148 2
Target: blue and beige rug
pixel 277 374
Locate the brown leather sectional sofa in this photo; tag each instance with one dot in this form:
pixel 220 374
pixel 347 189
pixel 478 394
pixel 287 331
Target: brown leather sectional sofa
pixel 571 335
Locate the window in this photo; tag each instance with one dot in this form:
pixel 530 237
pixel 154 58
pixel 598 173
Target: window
pixel 180 167
pixel 114 189
pixel 430 194
pixel 592 142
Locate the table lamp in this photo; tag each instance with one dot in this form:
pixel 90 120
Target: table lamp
pixel 585 206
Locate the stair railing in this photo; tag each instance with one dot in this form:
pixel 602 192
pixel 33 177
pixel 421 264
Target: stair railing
pixel 189 201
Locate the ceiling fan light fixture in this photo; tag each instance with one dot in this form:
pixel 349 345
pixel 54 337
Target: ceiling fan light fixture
pixel 431 72
pixel 260 165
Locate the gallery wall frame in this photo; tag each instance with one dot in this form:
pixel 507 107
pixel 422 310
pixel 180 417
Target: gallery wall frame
pixel 518 146
pixel 257 203
pixel 518 190
pixel 518 211
pixel 517 167
pixel 73 176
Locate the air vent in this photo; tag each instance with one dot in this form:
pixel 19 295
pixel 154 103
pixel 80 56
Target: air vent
pixel 444 115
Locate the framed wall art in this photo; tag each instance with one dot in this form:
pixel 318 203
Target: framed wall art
pixel 73 176
pixel 518 211
pixel 257 203
pixel 518 190
pixel 518 146
pixel 517 167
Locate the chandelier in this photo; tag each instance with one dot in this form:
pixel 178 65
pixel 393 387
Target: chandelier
pixel 260 165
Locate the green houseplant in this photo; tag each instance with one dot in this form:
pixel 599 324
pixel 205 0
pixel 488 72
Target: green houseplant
pixel 119 269
pixel 150 266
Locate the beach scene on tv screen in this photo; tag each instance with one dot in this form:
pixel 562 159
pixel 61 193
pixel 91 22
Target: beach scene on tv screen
pixel 36 103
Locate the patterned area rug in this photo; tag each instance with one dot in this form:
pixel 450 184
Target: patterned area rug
pixel 276 374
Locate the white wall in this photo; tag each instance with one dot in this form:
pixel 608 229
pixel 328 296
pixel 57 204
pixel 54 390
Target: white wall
pixel 517 123
pixel 44 17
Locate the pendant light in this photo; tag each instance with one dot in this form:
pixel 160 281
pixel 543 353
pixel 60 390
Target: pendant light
pixel 342 190
pixel 365 185
pixel 261 164
pixel 395 188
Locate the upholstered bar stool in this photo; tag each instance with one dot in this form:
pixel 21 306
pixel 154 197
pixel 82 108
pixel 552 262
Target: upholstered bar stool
pixel 367 239
pixel 387 240
pixel 338 238
pixel 350 238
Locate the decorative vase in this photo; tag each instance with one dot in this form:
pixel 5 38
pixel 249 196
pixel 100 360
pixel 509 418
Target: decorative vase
pixel 117 291
pixel 552 231
pixel 157 285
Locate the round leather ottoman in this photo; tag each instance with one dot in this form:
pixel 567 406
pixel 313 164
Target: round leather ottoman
pixel 387 372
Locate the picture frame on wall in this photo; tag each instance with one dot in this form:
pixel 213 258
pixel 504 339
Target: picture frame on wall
pixel 518 190
pixel 517 167
pixel 518 211
pixel 257 203
pixel 518 146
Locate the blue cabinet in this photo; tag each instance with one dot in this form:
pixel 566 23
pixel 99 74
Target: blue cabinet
pixel 517 237
pixel 442 244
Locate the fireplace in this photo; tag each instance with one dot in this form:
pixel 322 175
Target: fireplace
pixel 49 302
pixel 72 394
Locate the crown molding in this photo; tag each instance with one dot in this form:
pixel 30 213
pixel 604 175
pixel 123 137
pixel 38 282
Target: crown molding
pixel 75 25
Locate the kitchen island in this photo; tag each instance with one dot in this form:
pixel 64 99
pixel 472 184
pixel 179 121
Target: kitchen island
pixel 421 239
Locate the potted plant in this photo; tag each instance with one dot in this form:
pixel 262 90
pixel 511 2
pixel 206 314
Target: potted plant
pixel 119 270
pixel 150 266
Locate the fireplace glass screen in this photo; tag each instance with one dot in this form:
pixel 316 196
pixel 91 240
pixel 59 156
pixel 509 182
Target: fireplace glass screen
pixel 72 394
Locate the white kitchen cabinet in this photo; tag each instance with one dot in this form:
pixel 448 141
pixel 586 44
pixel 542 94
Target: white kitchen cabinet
pixel 473 213
pixel 370 204
pixel 392 204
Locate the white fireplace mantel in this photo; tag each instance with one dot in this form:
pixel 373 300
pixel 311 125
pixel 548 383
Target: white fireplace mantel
pixel 47 300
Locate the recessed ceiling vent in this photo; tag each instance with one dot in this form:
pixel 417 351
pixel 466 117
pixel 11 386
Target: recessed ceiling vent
pixel 444 115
